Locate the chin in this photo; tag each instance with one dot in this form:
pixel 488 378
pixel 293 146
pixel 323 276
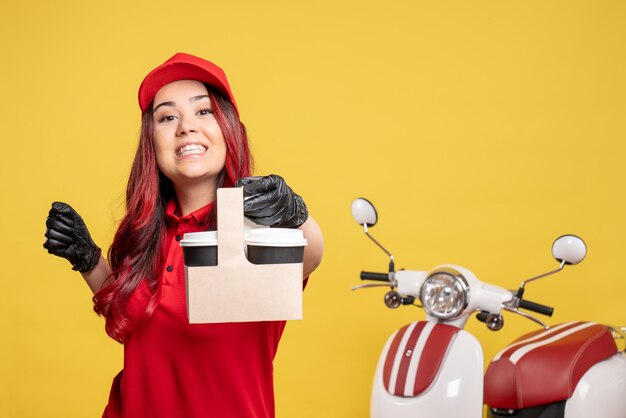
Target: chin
pixel 196 177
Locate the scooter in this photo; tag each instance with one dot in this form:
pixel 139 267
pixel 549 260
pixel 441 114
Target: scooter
pixel 434 368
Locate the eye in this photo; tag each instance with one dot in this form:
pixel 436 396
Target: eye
pixel 166 118
pixel 204 111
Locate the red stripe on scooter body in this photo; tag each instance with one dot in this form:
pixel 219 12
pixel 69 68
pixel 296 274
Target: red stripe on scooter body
pixel 430 361
pixel 406 359
pixel 432 357
pixel 391 355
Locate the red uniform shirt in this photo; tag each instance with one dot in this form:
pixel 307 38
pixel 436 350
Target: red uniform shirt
pixel 176 369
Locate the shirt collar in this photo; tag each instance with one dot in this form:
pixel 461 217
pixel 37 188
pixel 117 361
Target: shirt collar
pixel 198 216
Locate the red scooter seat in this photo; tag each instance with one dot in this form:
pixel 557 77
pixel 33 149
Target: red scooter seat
pixel 545 366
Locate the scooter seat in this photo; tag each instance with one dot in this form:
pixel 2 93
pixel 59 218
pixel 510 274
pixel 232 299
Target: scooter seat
pixel 545 366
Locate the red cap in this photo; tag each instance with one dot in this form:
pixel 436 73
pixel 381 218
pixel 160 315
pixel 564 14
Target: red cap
pixel 183 67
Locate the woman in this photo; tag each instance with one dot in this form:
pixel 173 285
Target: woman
pixel 191 143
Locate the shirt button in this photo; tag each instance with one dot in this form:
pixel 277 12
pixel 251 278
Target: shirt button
pixel 178 237
pixel 201 223
pixel 169 268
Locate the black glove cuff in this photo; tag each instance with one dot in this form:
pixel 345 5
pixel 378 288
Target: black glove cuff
pixel 86 262
pixel 301 212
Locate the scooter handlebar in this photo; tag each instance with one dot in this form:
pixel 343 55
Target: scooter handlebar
pixel 536 307
pixel 380 277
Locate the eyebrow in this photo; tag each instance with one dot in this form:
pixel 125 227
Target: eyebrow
pixel 191 100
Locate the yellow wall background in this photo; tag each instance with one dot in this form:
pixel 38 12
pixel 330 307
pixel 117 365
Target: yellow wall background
pixel 481 130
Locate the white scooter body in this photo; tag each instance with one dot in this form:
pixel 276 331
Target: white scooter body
pixel 434 368
pixel 601 392
pixel 457 390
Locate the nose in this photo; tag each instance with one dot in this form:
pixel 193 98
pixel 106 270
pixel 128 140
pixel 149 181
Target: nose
pixel 185 126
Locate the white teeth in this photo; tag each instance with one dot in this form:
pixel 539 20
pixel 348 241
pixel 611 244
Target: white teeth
pixel 190 149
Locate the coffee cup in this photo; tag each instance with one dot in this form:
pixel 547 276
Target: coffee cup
pixel 275 246
pixel 200 248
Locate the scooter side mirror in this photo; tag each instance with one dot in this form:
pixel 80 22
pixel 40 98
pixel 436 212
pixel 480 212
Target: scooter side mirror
pixel 569 249
pixel 364 212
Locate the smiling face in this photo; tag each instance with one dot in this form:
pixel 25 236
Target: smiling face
pixel 189 145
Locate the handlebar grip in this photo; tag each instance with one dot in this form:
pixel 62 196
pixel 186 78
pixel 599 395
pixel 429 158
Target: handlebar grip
pixel 536 307
pixel 368 275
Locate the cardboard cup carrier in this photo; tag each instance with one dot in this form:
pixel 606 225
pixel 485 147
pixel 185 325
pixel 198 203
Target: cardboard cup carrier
pixel 223 285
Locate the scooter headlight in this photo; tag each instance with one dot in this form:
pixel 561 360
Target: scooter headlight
pixel 444 293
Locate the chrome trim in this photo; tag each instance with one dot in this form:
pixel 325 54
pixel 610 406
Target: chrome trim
pixel 525 315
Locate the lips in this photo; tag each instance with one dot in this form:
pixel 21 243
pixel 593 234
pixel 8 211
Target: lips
pixel 190 149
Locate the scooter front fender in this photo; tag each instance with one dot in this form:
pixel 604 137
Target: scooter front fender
pixel 457 388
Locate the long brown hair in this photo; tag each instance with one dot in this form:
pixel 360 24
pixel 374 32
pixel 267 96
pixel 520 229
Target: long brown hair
pixel 135 254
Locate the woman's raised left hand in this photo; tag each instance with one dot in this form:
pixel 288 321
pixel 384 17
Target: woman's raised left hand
pixel 270 201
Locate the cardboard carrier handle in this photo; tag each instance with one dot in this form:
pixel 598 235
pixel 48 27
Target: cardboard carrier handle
pixel 236 290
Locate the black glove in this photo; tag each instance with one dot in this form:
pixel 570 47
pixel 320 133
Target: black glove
pixel 68 237
pixel 271 202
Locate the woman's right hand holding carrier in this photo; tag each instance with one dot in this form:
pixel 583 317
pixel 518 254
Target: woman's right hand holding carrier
pixel 270 201
pixel 68 237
